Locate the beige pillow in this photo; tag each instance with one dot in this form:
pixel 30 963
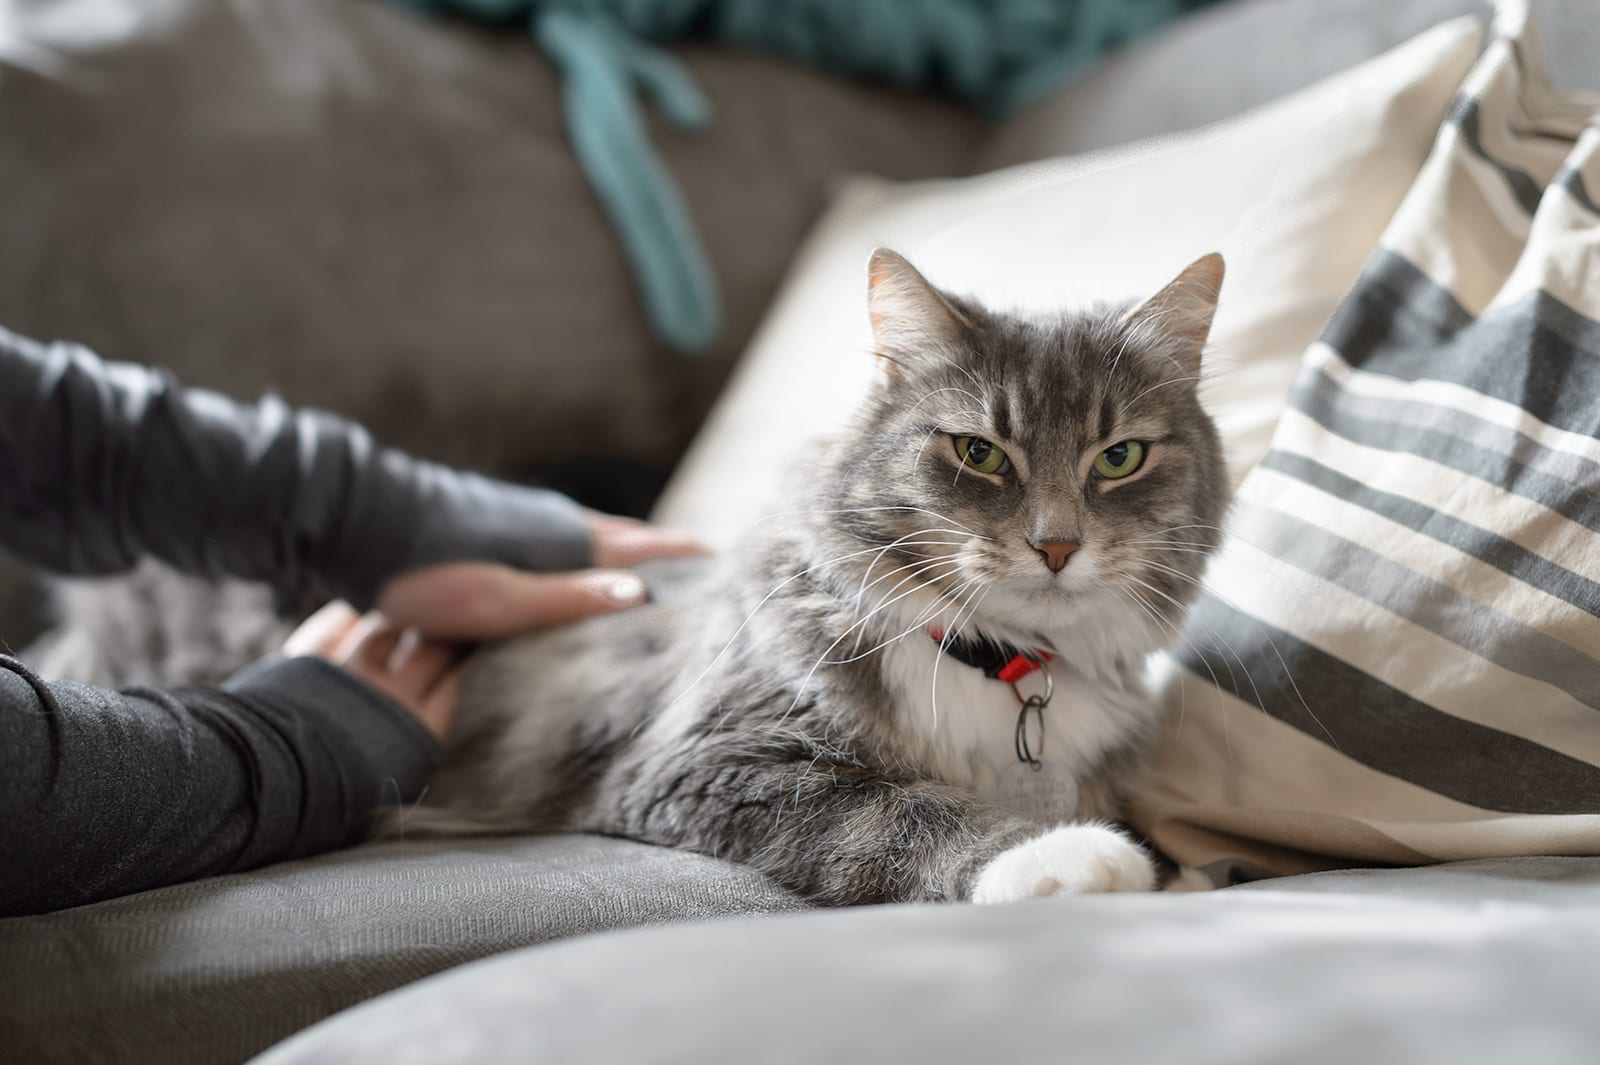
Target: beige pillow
pixel 1295 194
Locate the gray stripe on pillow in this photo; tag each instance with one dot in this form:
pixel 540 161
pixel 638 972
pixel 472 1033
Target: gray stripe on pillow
pixel 1388 284
pixel 1317 392
pixel 1571 179
pixel 1480 543
pixel 1380 726
pixel 1464 115
pixel 1536 353
pixel 1435 606
pixel 1490 453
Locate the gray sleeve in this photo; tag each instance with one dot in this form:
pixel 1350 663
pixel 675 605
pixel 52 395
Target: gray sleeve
pixel 107 793
pixel 101 463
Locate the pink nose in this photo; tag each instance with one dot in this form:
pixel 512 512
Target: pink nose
pixel 1055 552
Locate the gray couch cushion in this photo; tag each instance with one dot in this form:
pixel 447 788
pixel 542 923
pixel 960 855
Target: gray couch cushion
pixel 1482 963
pixel 217 970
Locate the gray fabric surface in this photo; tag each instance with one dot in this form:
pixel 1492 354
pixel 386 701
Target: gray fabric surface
pixel 1229 58
pixel 1489 962
pixel 217 970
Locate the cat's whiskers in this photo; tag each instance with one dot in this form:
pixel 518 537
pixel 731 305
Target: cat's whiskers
pixel 1227 647
pixel 961 370
pixel 979 400
pixel 823 658
pixel 898 543
pixel 1141 331
pixel 867 572
pixel 924 565
pixel 1184 541
pixel 1180 546
pixel 953 364
pixel 886 548
pixel 1284 666
pixel 916 462
pixel 975 600
pixel 945 598
pixel 1183 612
pixel 1163 384
pixel 869 510
pixel 768 597
pixel 1217 690
pixel 1183 689
pixel 1192 525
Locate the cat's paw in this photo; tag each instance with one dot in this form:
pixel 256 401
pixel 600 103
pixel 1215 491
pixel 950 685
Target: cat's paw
pixel 1070 860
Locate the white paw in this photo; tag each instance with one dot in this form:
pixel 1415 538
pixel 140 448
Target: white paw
pixel 1070 860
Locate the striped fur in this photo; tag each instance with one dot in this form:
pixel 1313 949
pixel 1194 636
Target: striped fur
pixel 791 710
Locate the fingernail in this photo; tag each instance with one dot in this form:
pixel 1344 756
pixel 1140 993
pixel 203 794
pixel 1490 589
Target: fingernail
pixel 625 590
pixel 320 628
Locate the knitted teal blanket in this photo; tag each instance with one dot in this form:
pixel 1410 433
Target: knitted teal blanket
pixel 993 54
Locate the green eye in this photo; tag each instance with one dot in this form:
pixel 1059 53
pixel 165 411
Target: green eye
pixel 1119 460
pixel 981 455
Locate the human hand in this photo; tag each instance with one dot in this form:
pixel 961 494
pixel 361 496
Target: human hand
pixel 621 542
pixel 471 601
pixel 420 674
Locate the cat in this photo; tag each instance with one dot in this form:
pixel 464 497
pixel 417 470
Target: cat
pixel 1033 497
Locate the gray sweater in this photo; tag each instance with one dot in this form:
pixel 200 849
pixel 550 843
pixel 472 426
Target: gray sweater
pixel 104 793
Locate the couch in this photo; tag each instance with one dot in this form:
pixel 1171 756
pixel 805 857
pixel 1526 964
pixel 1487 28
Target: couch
pixel 375 152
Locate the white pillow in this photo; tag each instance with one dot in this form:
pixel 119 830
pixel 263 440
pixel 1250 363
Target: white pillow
pixel 1295 194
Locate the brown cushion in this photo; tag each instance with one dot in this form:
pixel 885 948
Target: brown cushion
pixel 380 213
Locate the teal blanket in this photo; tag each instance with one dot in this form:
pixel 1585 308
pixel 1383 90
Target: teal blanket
pixel 992 54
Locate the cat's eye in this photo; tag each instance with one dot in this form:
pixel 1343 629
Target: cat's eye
pixel 981 455
pixel 1119 460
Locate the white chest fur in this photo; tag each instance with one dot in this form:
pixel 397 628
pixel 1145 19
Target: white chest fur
pixel 961 726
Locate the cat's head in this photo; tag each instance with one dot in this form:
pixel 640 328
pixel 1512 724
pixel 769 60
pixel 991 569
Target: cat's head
pixel 1046 472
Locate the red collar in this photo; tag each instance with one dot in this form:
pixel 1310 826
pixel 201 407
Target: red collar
pixel 998 660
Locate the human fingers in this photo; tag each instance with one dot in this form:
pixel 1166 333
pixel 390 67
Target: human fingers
pixel 322 632
pixel 438 708
pixel 369 643
pixel 469 601
pixel 419 664
pixel 621 542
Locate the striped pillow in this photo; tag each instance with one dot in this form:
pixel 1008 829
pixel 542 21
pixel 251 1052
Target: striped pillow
pixel 1396 657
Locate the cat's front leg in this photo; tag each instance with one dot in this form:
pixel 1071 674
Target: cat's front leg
pixel 1077 859
pixel 841 834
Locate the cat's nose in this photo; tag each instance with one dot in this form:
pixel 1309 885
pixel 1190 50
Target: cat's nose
pixel 1054 552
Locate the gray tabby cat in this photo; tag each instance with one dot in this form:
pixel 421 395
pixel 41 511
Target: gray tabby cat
pixel 1012 489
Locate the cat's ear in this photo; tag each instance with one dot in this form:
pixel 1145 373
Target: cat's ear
pixel 1183 310
pixel 909 316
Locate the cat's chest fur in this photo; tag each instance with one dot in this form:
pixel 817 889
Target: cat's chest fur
pixel 960 725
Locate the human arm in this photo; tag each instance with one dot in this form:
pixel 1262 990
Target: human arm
pixel 106 793
pixel 102 463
